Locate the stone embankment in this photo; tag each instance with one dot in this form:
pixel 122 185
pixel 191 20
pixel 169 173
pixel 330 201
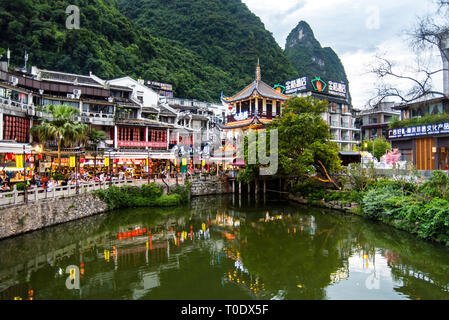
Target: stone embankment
pixel 206 187
pixel 44 213
pixel 36 215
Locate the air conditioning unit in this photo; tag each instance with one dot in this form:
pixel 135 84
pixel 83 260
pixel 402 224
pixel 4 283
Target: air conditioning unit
pixel 71 96
pixel 110 99
pixel 14 80
pixel 77 93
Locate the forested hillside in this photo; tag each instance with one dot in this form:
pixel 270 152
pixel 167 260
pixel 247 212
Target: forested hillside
pixel 224 32
pixel 225 42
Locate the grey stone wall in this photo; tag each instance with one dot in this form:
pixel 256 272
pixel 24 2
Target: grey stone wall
pixel 205 187
pixel 44 213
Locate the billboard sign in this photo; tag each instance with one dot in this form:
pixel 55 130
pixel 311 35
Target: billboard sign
pixel 418 131
pixel 316 84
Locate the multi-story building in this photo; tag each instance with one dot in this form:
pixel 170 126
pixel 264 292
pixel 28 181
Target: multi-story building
pixel 374 122
pixel 340 116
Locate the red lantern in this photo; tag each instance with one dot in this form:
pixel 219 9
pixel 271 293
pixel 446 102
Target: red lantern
pixel 230 108
pixel 82 160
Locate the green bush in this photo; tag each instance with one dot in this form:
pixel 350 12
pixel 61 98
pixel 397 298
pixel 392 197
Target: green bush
pixel 151 191
pixel 170 200
pixel 183 192
pixel 376 201
pixel 146 196
pixel 437 186
pixel 436 221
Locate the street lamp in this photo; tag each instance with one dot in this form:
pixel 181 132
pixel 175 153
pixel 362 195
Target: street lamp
pixel 148 165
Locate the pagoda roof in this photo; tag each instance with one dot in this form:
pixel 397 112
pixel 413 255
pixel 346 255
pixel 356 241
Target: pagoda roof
pixel 257 88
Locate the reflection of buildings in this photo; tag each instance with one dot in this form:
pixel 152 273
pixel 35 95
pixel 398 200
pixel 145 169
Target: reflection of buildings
pixel 341 274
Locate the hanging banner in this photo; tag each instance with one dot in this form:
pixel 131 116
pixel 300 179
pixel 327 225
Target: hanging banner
pixel 72 162
pixel 106 162
pixel 184 161
pixel 203 163
pixel 19 161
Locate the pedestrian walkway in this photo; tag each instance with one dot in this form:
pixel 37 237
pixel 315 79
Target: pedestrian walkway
pixel 33 194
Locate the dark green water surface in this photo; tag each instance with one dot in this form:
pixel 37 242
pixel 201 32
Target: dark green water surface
pixel 223 248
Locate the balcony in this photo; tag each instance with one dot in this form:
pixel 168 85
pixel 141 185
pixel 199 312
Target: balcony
pixel 97 118
pixel 17 106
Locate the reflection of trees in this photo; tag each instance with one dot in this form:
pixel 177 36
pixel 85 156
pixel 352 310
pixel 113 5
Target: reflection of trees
pixel 412 260
pixel 292 260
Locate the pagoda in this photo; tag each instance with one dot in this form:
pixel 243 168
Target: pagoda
pixel 255 106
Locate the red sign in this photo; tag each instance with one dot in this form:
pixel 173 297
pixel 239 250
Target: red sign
pixel 142 144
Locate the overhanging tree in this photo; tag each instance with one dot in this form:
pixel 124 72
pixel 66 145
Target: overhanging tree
pixel 305 150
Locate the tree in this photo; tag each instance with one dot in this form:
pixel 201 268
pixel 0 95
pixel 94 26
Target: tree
pixel 61 128
pixel 381 146
pixel 304 147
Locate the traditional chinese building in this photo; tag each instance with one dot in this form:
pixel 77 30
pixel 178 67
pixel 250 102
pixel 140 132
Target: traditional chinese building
pixel 255 106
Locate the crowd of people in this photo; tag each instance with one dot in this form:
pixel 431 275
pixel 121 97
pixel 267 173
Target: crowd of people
pixel 49 181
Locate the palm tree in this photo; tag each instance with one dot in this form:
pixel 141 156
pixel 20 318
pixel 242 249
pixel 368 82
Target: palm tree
pixel 62 128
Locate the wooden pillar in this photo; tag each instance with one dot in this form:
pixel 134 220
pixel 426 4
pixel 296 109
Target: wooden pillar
pixel 264 186
pixel 240 188
pixel 233 186
pixel 256 187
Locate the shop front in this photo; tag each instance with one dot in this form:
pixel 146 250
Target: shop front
pixel 426 147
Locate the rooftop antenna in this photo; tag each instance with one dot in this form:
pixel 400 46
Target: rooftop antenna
pixel 8 56
pixel 26 60
pixel 258 72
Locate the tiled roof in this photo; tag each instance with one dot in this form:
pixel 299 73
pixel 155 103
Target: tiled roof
pixel 260 88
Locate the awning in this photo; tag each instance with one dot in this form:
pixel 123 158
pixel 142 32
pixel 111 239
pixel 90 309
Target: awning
pixel 238 163
pixel 14 147
pixel 350 153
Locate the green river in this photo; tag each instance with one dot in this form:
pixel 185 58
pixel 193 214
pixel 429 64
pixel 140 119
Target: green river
pixel 223 248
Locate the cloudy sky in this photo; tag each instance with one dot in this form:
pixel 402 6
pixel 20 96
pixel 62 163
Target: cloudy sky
pixel 357 30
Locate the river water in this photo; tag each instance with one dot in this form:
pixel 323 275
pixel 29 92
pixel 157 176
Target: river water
pixel 223 248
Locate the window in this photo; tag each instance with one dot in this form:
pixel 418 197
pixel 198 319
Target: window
pixel 269 107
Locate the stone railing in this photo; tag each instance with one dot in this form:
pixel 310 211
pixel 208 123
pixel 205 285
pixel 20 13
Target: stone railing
pixel 16 197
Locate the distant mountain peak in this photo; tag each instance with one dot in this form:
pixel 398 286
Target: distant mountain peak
pixel 309 58
pixel 303 35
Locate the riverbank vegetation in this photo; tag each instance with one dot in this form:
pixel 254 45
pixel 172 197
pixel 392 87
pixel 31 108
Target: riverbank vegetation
pixel 419 208
pixel 149 195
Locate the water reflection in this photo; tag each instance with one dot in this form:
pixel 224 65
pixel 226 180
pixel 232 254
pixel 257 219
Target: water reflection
pixel 222 248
